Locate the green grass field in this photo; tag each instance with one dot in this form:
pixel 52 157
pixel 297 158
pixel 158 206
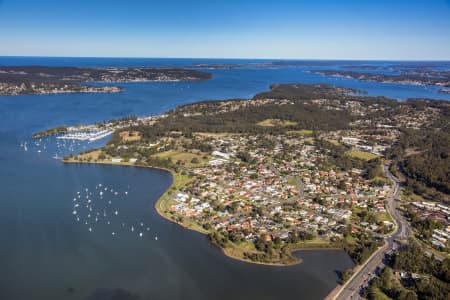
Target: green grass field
pixel 383 217
pixel 362 155
pixel 302 132
pixel 185 157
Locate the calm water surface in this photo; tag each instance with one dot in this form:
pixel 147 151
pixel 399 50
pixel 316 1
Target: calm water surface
pixel 46 253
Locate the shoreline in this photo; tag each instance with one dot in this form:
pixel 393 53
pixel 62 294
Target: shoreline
pixel 59 92
pixel 226 251
pixel 29 80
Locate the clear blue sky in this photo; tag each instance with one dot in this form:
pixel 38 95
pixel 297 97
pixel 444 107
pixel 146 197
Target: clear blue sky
pixel 319 29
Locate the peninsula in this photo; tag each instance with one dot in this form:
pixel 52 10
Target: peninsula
pixel 298 167
pixel 418 76
pixel 20 80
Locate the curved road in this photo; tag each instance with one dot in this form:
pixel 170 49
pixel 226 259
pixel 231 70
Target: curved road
pixel 351 289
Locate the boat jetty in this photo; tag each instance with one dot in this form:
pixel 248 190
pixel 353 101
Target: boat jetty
pixel 85 135
pixel 96 131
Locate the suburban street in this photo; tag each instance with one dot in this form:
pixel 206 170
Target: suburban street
pixel 351 288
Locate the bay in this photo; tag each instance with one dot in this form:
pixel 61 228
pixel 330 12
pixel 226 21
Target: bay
pixel 47 254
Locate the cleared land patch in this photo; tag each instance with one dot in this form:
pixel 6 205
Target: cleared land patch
pixel 185 158
pixel 362 155
pixel 276 122
pixel 302 132
pixel 130 136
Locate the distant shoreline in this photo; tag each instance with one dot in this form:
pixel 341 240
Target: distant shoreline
pixel 26 80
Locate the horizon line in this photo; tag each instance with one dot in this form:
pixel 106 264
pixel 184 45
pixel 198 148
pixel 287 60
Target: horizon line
pixel 235 58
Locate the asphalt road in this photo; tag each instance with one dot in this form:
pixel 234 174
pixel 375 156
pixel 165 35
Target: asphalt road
pixel 353 286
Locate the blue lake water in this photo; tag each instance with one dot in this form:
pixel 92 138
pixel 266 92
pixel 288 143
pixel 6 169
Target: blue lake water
pixel 46 253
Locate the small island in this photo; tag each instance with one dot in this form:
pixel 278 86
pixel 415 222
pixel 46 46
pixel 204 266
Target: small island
pixel 21 80
pixel 298 167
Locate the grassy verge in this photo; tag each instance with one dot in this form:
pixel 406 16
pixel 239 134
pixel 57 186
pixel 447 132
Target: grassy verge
pixel 313 245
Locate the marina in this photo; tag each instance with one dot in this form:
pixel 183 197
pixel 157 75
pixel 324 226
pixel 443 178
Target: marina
pixel 85 135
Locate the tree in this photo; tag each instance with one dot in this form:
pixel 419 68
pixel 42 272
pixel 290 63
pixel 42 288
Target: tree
pixel 244 156
pixel 260 243
pixel 346 274
pixel 407 295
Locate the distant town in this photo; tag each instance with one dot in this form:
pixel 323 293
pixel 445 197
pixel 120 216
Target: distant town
pixel 18 80
pixel 401 74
